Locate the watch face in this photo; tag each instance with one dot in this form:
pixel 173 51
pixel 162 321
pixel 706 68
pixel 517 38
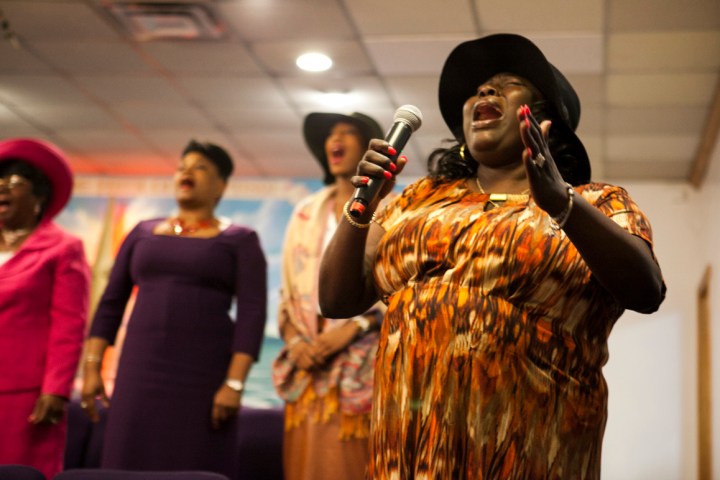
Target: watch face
pixel 236 385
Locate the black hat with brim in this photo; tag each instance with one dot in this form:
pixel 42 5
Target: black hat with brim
pixel 473 62
pixel 317 127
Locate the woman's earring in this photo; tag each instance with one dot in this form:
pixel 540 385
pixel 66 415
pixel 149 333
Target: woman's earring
pixel 36 209
pixel 462 152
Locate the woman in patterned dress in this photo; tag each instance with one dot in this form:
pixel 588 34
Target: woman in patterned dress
pixel 504 270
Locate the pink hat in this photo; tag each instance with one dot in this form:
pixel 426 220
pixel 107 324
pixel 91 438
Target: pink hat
pixel 47 158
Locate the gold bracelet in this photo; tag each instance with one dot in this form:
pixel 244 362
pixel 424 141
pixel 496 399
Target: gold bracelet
pixel 352 222
pixel 93 359
pixel 559 221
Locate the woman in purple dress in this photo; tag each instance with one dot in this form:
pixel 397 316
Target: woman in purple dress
pixel 184 360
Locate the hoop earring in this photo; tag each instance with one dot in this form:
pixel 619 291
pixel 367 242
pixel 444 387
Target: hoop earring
pixel 462 152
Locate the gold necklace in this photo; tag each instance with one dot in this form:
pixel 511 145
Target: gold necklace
pixel 179 228
pixel 10 237
pixel 496 197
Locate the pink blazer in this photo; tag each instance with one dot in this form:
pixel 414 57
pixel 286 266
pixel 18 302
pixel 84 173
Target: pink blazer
pixel 44 296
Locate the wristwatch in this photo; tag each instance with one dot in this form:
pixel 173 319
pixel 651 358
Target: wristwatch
pixel 236 385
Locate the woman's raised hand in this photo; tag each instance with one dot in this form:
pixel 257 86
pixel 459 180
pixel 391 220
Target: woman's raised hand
pixel 549 190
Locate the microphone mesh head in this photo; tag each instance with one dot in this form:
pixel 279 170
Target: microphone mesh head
pixel 410 115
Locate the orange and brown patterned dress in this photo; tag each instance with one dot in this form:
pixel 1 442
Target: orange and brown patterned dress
pixel 490 358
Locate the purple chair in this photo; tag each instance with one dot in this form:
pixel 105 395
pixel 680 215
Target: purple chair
pixel 84 438
pixel 258 454
pixel 259 444
pixel 20 472
pixel 110 474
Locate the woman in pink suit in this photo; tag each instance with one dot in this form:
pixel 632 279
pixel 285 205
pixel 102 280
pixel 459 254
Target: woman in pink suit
pixel 44 283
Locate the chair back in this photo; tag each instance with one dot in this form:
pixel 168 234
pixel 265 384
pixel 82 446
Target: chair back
pixel 20 472
pixel 111 474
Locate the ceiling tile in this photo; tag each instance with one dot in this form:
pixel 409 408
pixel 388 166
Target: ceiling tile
pixel 286 19
pixel 594 146
pixel 148 115
pixel 421 92
pixel 656 147
pixel 624 171
pixel 55 117
pixel 657 15
pixel 670 89
pixel 399 56
pixel 589 88
pixel 277 154
pixel 131 89
pixel 685 51
pixel 39 90
pixel 234 118
pixel 572 53
pixel 96 58
pixel 549 15
pixel 12 123
pixel 406 17
pixel 364 92
pixel 207 58
pixel 592 121
pixel 20 60
pixel 57 21
pixel 655 120
pixel 256 92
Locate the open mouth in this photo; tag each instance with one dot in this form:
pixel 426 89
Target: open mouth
pixel 336 154
pixel 187 183
pixel 485 112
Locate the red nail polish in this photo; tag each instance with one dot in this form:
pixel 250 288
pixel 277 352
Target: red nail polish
pixel 403 157
pixel 392 151
pixel 393 167
pixel 529 151
pixel 527 122
pixel 365 180
pixel 387 174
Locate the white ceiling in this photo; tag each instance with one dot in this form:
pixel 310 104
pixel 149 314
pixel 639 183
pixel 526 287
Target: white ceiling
pixel 646 72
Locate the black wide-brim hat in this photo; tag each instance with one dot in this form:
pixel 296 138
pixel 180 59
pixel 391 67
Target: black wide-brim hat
pixel 316 129
pixel 473 62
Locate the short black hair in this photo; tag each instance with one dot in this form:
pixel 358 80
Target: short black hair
pixel 40 183
pixel 215 154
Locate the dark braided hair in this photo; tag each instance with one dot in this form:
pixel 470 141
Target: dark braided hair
pixel 447 163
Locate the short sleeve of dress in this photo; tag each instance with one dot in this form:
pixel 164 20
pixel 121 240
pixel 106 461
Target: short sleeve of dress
pixel 615 202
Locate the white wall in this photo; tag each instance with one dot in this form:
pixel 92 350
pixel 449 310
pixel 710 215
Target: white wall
pixel 652 371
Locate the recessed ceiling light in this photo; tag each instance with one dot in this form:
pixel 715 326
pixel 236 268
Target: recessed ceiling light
pixel 336 99
pixel 314 62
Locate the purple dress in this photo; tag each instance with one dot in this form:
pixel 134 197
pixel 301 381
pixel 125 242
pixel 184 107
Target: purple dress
pixel 178 345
